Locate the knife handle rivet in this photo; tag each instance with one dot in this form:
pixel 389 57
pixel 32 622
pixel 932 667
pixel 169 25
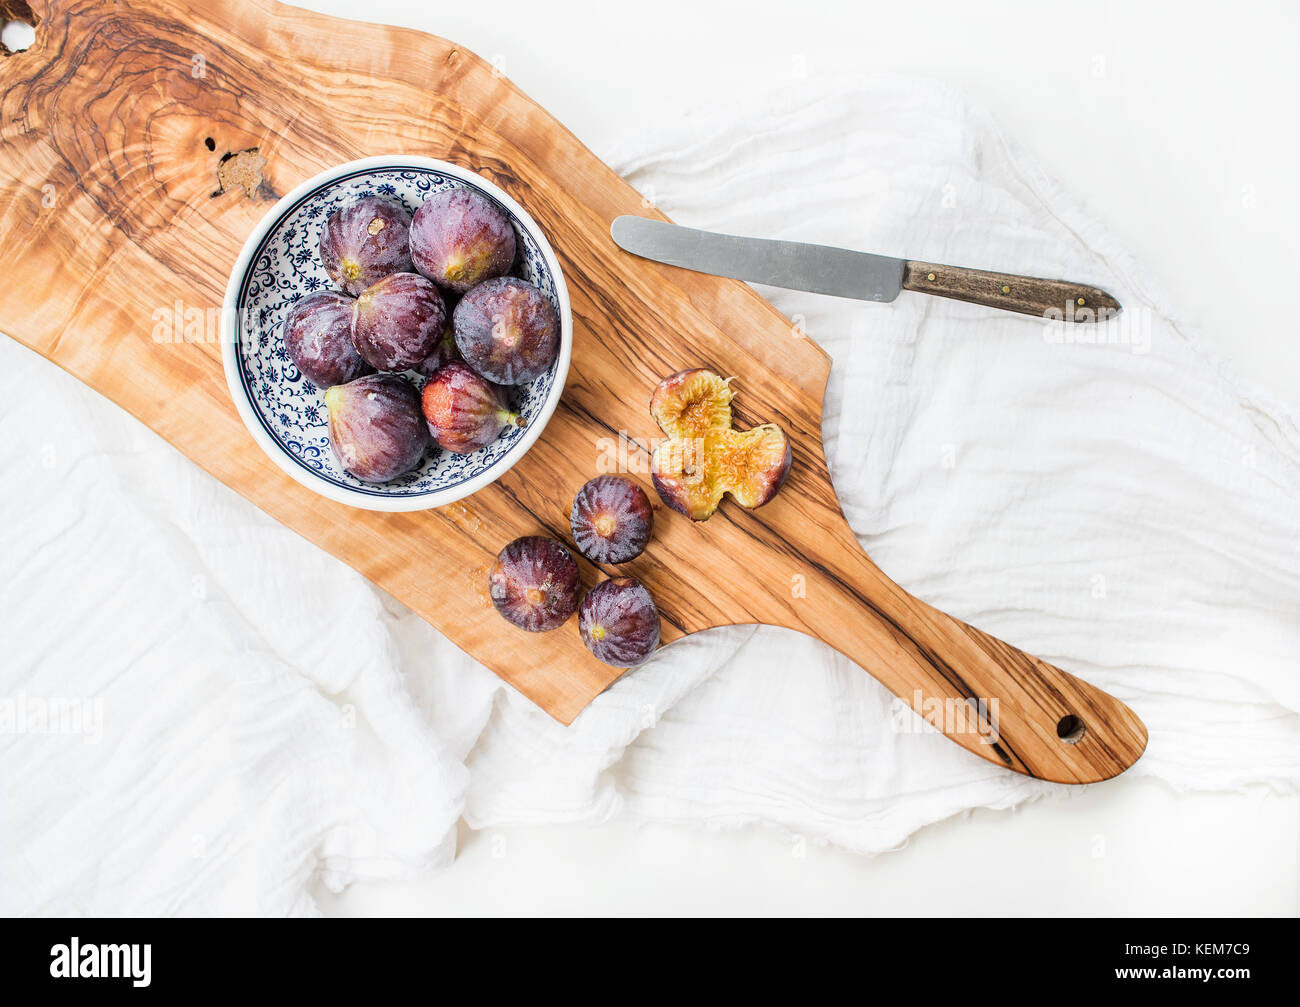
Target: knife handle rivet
pixel 930 277
pixel 1079 302
pixel 1006 288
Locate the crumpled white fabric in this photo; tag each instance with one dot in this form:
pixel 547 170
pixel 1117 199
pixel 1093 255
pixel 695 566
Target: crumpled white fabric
pixel 1129 511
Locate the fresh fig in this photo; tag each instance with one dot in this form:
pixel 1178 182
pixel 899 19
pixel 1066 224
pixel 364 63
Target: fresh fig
pixel 464 410
pixel 611 519
pixel 376 428
pixel 398 322
pixel 534 583
pixel 365 241
pixel 507 330
pixel 619 623
pixel 460 238
pixel 318 336
pixel 445 352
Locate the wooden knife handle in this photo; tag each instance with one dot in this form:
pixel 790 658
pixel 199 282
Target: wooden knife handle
pixel 1029 295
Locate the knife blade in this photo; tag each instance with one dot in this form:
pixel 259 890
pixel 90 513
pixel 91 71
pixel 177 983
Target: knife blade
pixel 820 269
pixel 865 276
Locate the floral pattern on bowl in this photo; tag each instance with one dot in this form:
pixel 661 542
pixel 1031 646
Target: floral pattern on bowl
pixel 283 265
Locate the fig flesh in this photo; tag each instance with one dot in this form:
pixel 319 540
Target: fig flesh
pixel 704 457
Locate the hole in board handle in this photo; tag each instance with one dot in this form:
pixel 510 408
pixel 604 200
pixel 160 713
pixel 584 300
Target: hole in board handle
pixel 16 36
pixel 1070 729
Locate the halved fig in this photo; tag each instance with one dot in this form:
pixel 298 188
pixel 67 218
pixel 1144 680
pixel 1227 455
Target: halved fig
pixel 704 457
pixel 692 403
pixel 684 478
pixel 753 464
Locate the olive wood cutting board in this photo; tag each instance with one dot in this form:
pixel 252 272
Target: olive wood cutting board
pixel 143 140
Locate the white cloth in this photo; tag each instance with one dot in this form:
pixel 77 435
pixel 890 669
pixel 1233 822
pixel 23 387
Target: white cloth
pixel 1127 511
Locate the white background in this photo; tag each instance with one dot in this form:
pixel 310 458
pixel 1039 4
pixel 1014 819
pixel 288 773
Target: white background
pixel 1176 123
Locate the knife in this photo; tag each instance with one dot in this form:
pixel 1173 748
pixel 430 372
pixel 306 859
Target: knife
pixel 865 276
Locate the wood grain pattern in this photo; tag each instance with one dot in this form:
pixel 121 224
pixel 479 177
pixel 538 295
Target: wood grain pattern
pixel 114 126
pixel 1029 295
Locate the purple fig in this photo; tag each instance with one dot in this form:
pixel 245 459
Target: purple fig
pixel 443 354
pixel 619 623
pixel 364 242
pixel 507 330
pixel 376 429
pixel 611 519
pixel 534 583
pixel 398 322
pixel 465 411
pixel 318 336
pixel 459 239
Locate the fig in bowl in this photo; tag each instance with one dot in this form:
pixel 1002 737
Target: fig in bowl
pixel 398 322
pixel 507 330
pixel 464 410
pixel 619 623
pixel 704 457
pixel 534 583
pixel 318 335
pixel 376 429
pixel 364 241
pixel 444 352
pixel 459 238
pixel 284 409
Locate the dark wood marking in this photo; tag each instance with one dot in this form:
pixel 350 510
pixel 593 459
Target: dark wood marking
pixel 109 126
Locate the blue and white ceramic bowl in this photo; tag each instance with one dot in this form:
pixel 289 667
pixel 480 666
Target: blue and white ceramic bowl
pixel 285 412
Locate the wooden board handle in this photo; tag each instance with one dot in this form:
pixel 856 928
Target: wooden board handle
pixel 1029 295
pixel 991 698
